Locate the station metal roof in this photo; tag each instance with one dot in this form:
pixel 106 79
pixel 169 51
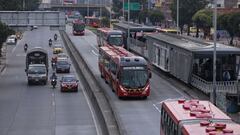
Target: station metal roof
pixel 134 27
pixel 193 45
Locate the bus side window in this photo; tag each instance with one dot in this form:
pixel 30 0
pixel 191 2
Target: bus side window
pixel 106 61
pixel 113 67
pixel 101 57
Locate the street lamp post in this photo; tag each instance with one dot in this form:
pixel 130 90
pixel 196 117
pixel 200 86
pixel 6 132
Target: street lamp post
pixel 123 10
pixel 23 6
pixel 110 13
pixel 88 8
pixel 128 40
pixel 101 13
pixel 213 94
pixel 177 17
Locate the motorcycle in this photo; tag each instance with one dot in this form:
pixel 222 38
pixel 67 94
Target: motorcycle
pixel 54 83
pixel 53 65
pixel 55 37
pixel 50 43
pixel 25 48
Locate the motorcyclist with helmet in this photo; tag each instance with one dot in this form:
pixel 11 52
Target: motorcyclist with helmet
pixel 50 42
pixel 55 36
pixel 53 79
pixel 25 47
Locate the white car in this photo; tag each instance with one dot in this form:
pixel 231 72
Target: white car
pixel 11 40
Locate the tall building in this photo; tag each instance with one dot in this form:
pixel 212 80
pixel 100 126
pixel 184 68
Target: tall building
pixel 228 3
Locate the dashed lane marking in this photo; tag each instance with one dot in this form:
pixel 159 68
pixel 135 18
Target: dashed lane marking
pixel 21 55
pixel 94 53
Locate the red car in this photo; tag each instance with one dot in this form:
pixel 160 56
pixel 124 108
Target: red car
pixel 69 83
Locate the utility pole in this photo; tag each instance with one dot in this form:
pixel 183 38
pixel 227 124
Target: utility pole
pixel 123 10
pixel 213 94
pixel 23 5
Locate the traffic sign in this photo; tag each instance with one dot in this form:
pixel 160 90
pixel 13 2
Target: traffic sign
pixel 135 6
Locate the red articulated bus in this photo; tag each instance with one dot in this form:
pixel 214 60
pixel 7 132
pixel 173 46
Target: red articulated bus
pixel 78 27
pixel 195 117
pixel 108 36
pixel 127 74
pixel 92 21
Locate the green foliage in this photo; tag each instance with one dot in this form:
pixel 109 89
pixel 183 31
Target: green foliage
pixel 187 8
pixel 203 20
pixel 142 16
pixel 17 5
pixel 231 23
pixel 156 16
pixel 5 31
pixel 105 22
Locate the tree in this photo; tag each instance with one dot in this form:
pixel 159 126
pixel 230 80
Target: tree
pixel 18 5
pixel 156 16
pixel 230 22
pixel 187 8
pixel 105 22
pixel 203 20
pixel 142 16
pixel 5 31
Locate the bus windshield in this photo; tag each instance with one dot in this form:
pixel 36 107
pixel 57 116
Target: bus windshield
pixel 134 77
pixel 78 27
pixel 115 40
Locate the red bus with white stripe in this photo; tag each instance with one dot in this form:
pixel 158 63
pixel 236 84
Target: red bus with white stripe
pixel 195 117
pixel 108 36
pixel 127 74
pixel 78 27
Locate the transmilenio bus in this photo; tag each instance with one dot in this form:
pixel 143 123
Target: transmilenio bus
pixel 108 36
pixel 127 74
pixel 78 27
pixel 195 117
pixel 92 21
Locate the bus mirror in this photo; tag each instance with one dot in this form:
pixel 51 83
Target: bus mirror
pixel 150 75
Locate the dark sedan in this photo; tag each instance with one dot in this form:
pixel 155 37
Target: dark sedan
pixel 69 83
pixel 63 66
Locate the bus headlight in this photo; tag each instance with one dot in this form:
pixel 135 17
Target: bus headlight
pixel 122 89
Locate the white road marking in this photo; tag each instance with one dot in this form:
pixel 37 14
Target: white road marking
pixel 13 50
pixel 4 71
pixel 155 106
pixel 53 103
pixel 21 55
pixel 169 99
pixel 94 47
pixel 94 53
pixel 91 109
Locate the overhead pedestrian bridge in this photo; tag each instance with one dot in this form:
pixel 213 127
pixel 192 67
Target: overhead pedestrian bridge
pixel 25 19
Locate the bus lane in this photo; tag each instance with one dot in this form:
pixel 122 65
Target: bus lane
pixel 135 116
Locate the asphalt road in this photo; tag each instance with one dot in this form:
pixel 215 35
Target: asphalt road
pixel 135 117
pixel 40 110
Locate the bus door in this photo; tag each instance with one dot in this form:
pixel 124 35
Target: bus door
pixel 113 71
pixel 106 72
